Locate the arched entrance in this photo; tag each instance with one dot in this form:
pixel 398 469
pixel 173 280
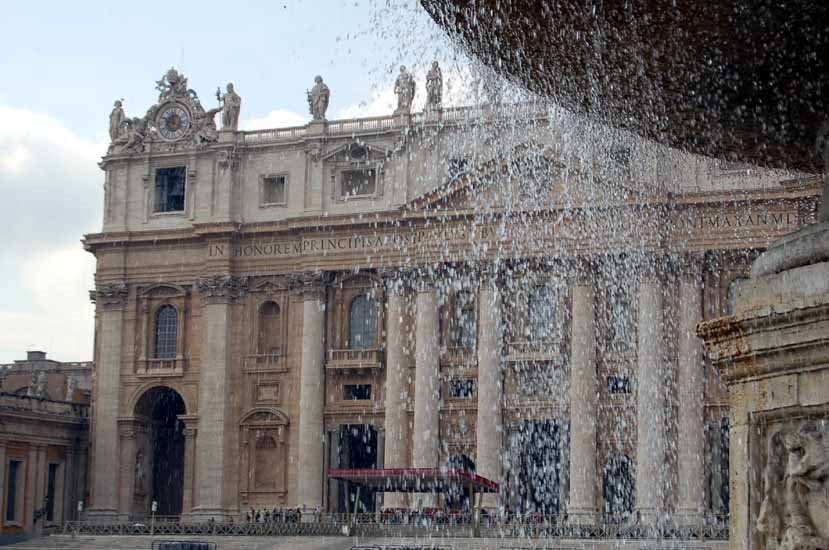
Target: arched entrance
pixel 457 496
pixel 159 453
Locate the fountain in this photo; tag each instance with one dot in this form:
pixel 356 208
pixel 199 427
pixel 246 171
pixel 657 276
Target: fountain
pixel 739 80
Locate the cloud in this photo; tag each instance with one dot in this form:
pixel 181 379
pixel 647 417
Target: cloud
pixel 278 118
pixel 52 190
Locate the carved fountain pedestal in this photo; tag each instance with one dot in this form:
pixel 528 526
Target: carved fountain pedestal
pixel 773 353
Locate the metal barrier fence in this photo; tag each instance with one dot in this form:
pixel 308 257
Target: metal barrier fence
pixel 411 524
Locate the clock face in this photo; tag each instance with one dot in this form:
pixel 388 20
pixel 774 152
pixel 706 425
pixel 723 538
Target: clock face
pixel 173 122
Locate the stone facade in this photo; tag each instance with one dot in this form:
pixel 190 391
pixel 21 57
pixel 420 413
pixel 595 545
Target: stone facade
pixel 294 293
pixel 44 415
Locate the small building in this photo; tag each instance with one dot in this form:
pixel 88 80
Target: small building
pixel 44 426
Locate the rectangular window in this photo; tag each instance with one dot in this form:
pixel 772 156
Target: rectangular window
pixel 462 388
pixel 169 189
pixel 618 384
pixel 357 183
pixel 50 491
pixel 357 392
pixel 11 490
pixel 273 190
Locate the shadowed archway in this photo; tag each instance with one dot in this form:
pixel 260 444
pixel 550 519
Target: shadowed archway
pixel 159 453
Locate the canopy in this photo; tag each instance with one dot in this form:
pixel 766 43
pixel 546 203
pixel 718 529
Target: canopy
pixel 413 480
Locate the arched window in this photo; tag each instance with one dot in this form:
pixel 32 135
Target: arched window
pixel 362 322
pixel 270 329
pixel 732 293
pixel 618 487
pixel 166 320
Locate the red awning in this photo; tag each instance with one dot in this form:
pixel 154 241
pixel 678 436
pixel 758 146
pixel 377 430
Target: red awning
pixel 414 480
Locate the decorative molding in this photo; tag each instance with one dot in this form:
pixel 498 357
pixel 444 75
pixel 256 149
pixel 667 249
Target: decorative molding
pixel 222 288
pixel 309 286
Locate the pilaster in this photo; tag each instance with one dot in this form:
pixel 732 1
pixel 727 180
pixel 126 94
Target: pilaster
pixel 219 293
pixel 110 299
pixel 425 437
pixel 489 424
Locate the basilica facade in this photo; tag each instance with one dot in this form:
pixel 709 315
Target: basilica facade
pixel 449 288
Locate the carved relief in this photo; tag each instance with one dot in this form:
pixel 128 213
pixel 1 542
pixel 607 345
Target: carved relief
pixel 264 453
pixel 794 514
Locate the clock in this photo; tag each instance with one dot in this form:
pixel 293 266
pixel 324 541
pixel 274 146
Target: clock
pixel 173 122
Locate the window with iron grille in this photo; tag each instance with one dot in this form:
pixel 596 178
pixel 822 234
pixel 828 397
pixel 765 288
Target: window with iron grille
pixel 358 182
pixel 362 322
pixel 165 332
pixel 273 190
pixel 543 320
pixel 356 392
pixel 169 189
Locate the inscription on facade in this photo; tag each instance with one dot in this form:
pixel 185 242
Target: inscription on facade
pixel 357 243
pixel 755 219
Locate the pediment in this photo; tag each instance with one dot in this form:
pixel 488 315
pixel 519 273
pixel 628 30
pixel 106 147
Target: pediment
pixel 530 177
pixel 164 290
pixel 270 286
pixel 265 416
pixel 356 152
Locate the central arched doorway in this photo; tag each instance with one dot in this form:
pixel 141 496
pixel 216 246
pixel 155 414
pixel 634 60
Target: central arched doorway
pixel 159 453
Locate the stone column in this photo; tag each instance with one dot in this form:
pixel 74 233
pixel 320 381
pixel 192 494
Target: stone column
pixel 691 397
pixel 489 432
pixel 218 293
pixel 190 431
pixel 425 439
pixel 109 300
pixel 30 490
pixel 650 399
pixel 582 504
pixel 311 452
pixel 397 368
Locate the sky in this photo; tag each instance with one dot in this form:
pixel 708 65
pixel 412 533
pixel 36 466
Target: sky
pixel 64 63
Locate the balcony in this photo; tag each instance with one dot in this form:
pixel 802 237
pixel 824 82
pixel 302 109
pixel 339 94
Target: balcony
pixel 354 359
pixel 266 362
pixel 534 350
pixel 155 368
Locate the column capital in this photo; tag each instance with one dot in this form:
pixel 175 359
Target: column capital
pixel 309 286
pixel 221 289
pixel 584 272
pixel 397 281
pixel 129 428
pixel 690 266
pixel 110 295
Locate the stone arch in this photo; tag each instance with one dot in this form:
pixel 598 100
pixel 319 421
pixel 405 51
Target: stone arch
pixel 158 463
pixel 144 388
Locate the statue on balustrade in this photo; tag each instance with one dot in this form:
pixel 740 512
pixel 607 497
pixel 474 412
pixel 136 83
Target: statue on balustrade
pixel 232 105
pixel 404 87
pixel 318 98
pixel 117 120
pixel 434 88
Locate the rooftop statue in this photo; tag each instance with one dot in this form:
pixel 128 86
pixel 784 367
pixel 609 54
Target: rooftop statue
pixel 434 88
pixel 318 98
pixel 117 120
pixel 404 87
pixel 232 105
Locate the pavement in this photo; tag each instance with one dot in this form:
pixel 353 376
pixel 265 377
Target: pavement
pixel 67 542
